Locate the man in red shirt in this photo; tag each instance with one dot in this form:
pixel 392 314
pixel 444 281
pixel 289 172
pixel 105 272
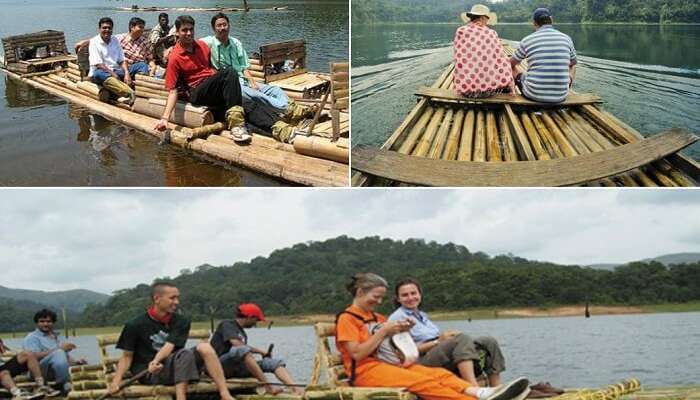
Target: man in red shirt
pixel 189 67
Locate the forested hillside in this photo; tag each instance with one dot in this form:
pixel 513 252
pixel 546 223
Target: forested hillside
pixel 310 277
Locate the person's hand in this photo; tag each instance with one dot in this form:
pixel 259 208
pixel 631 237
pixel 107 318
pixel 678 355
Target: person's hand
pixel 448 334
pixel 253 83
pixel 113 387
pixel 67 346
pixel 81 361
pixel 154 367
pixel 127 79
pixel 161 125
pixel 394 327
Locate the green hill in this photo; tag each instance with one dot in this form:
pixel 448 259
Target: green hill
pixel 310 277
pixel 74 300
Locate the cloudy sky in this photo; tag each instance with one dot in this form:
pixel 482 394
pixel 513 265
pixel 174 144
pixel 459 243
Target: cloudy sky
pixel 105 240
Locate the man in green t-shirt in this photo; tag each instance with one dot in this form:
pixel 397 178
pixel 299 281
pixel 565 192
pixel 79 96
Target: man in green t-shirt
pixel 155 340
pixel 264 105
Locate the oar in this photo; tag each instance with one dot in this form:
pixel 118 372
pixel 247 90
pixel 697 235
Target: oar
pixel 124 384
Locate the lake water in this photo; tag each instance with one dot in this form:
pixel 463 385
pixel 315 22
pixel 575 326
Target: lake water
pixel 658 349
pixel 46 142
pixel 649 76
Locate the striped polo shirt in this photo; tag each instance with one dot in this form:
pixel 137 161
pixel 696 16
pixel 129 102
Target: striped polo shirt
pixel 549 54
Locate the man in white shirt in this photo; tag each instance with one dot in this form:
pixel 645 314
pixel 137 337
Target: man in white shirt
pixel 107 62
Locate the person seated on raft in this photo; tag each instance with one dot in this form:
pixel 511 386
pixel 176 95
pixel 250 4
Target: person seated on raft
pixel 189 69
pixel 265 106
pixel 155 341
pixel 551 61
pixel 51 350
pixel 21 363
pixel 161 38
pixel 230 342
pixel 481 67
pixel 137 49
pixel 107 62
pixel 358 346
pixel 452 350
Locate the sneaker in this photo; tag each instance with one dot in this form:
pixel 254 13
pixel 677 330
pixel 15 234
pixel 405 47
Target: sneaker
pixel 24 395
pixel 47 391
pixel 511 391
pixel 240 134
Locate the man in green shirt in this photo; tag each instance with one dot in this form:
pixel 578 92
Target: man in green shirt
pixel 263 104
pixel 155 340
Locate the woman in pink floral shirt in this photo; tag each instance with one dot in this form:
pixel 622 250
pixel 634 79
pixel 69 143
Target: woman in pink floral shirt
pixel 481 67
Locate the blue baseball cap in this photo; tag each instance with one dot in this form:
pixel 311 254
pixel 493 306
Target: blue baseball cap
pixel 541 12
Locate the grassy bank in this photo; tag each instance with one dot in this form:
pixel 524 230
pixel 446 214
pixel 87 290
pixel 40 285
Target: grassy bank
pixel 474 314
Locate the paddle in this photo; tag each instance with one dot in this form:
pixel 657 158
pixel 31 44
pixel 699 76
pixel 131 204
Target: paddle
pixel 124 384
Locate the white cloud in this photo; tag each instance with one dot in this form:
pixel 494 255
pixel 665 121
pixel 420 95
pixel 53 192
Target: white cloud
pixel 110 239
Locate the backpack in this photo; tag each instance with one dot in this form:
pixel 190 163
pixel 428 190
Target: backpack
pixel 399 350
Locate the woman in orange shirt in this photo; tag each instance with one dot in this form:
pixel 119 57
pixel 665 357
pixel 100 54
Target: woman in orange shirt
pixel 357 348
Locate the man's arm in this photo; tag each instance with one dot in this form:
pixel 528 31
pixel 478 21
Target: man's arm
pixel 238 342
pixel 169 106
pixel 127 75
pixel 572 74
pixel 122 366
pixel 251 81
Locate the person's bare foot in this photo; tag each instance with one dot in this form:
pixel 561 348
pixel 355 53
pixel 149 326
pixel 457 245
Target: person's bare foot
pixel 273 390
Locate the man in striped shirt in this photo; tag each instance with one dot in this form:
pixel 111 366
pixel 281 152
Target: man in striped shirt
pixel 551 58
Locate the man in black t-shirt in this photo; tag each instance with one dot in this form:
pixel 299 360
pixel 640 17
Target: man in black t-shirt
pixel 231 344
pixel 155 340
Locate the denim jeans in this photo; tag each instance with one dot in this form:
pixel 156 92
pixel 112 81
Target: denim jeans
pixel 265 105
pixel 100 76
pixel 56 361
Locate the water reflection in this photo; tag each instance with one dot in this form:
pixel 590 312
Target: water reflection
pixel 18 94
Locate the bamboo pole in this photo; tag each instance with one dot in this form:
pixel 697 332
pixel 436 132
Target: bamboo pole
pixel 467 143
pixel 546 137
pixel 560 139
pixel 321 147
pixel 426 140
pixel 611 140
pixel 480 137
pixel 493 146
pixel 510 153
pixel 292 167
pixel 534 139
pixel 452 146
pixel 627 179
pixel 520 139
pixel 410 142
pixel 441 138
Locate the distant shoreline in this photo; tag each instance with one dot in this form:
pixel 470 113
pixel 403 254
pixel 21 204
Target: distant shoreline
pixel 576 310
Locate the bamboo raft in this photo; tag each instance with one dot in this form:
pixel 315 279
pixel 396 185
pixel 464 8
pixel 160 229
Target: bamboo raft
pixel 90 381
pixel 193 128
pixel 448 140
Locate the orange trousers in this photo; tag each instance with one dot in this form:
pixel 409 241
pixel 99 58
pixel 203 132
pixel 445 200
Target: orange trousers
pixel 426 382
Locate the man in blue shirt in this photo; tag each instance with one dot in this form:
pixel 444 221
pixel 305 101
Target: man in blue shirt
pixel 50 349
pixel 551 61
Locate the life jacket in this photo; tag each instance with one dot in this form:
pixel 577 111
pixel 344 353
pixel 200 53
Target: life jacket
pixel 399 349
